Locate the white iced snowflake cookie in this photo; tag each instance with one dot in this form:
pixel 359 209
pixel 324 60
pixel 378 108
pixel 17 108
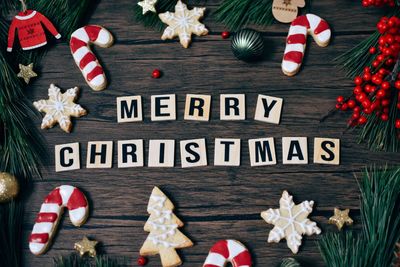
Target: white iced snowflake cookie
pixel 59 108
pixel 183 23
pixel 290 221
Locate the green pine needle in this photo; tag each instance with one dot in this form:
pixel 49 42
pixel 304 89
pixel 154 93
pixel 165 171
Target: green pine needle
pixel 74 260
pixel 380 216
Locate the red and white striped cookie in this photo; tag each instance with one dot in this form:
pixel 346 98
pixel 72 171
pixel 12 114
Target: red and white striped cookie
pixel 297 39
pixel 231 251
pixel 84 57
pixel 64 196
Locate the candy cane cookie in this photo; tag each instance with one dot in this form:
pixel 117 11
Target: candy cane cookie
pixel 46 222
pixel 228 251
pixel 84 57
pixel 297 38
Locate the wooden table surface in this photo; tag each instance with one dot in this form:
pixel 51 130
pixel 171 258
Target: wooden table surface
pixel 214 202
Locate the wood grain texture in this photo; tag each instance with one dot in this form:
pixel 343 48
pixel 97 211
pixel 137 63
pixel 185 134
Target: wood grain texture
pixel 214 202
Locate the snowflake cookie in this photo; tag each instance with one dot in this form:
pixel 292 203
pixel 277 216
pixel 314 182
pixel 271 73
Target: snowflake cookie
pixel 183 23
pixel 59 108
pixel 290 221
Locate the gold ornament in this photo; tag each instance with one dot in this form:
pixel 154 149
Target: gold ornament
pixel 26 72
pixel 9 187
pixel 86 246
pixel 340 218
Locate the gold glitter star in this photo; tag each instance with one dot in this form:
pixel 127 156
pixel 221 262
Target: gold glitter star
pixel 26 72
pixel 340 218
pixel 86 246
pixel 148 5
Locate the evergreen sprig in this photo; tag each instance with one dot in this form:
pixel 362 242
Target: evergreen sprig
pixel 380 217
pixel 290 262
pixel 74 260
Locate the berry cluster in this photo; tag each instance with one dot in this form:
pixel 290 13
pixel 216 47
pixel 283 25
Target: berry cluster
pixel 379 85
pixel 378 3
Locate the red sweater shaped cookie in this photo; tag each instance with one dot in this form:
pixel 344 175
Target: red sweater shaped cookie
pixel 29 25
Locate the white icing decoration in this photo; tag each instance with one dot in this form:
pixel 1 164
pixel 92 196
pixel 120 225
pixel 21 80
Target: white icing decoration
pixel 148 5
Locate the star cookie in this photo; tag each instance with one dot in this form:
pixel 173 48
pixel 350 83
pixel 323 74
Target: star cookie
pixel 340 218
pixel 26 72
pixel 183 23
pixel 290 221
pixel 86 246
pixel 59 108
pixel 148 5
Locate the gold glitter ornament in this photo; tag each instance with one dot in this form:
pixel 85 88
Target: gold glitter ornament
pixel 9 187
pixel 340 218
pixel 26 72
pixel 86 246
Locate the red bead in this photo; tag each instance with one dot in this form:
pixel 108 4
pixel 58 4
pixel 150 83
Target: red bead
pixel 344 107
pixel 142 261
pixel 357 90
pixel 358 80
pixel 362 120
pixel 351 103
pixel 156 74
pixel 385 117
pixel 397 84
pixel 385 102
pixel 381 93
pixel 372 50
pixel 225 34
pixel 385 85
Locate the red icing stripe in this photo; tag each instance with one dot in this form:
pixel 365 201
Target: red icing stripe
pixel 322 26
pixel 293 56
pixel 94 73
pixel 221 247
pixel 296 39
pixel 54 197
pixel 76 43
pixel 46 217
pixel 77 199
pixel 301 21
pixel 39 238
pixel 242 259
pixel 93 32
pixel 89 57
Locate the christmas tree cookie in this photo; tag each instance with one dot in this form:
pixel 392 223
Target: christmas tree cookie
pixel 164 237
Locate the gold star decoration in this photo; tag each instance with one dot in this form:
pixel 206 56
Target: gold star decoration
pixel 26 72
pixel 183 23
pixel 59 108
pixel 148 5
pixel 340 218
pixel 86 246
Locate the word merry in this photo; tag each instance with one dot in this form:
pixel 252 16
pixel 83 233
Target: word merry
pixel 193 153
pixel 197 107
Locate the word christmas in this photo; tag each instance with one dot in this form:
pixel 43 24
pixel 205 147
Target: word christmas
pixel 193 153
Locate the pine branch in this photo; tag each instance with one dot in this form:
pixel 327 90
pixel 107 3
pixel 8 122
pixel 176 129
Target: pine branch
pixel 236 14
pixel 290 262
pixel 374 246
pixel 74 260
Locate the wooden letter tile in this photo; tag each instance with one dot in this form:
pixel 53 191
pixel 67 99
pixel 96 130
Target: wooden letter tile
pixel 197 107
pixel 129 109
pixel 262 152
pixel 161 153
pixel 268 109
pixel 232 107
pixel 130 153
pixel 227 152
pixel 99 154
pixel 327 151
pixel 294 150
pixel 67 157
pixel 193 153
pixel 163 107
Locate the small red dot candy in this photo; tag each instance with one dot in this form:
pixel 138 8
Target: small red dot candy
pixel 156 74
pixel 225 34
pixel 142 261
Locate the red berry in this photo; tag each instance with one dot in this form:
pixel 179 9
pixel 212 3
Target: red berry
pixel 358 80
pixel 362 120
pixel 225 34
pixel 142 261
pixel 385 85
pixel 385 102
pixel 385 117
pixel 340 99
pixel 351 103
pixel 344 107
pixel 156 74
pixel 338 106
pixel 397 84
pixel 381 93
pixel 372 50
pixel 397 124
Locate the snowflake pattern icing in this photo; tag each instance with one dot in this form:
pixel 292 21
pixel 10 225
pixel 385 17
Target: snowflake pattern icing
pixel 290 222
pixel 183 23
pixel 59 108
